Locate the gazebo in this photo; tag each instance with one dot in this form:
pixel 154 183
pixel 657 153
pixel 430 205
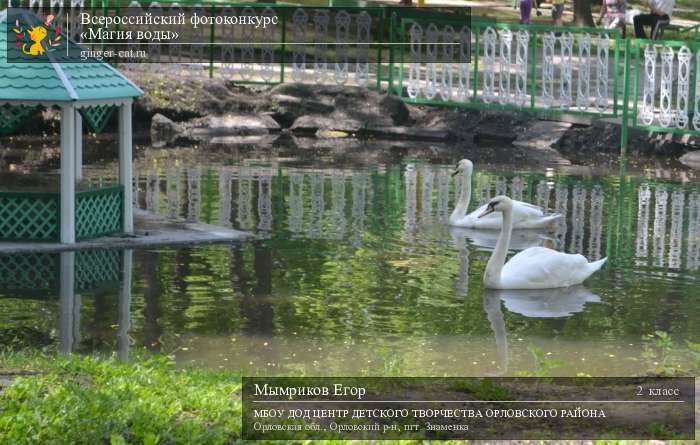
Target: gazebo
pixel 83 90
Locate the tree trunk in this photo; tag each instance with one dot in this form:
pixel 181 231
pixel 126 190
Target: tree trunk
pixel 582 13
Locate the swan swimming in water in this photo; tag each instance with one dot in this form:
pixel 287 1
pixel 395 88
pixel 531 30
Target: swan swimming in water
pixel 535 267
pixel 525 216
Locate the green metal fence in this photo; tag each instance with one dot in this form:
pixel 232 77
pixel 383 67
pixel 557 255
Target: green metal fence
pixel 34 216
pixel 311 43
pixel 665 92
pixel 434 58
pixel 690 32
pixel 508 66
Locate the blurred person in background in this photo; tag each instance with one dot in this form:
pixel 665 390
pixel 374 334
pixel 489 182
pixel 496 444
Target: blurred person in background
pixel 557 12
pixel 612 15
pixel 659 17
pixel 526 10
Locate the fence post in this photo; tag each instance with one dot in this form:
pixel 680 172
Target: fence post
pixel 283 45
pixel 476 62
pixel 625 99
pixel 392 55
pixel 533 73
pixel 212 39
pixel 380 47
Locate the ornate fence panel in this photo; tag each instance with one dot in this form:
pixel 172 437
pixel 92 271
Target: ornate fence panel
pixel 508 66
pixel 324 45
pixel 318 44
pixel 665 94
pixel 430 58
pixel 36 216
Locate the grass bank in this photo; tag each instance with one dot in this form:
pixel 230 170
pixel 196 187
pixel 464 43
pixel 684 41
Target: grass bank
pixel 97 400
pixel 47 398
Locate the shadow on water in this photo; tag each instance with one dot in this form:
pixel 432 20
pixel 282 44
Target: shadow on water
pixel 355 272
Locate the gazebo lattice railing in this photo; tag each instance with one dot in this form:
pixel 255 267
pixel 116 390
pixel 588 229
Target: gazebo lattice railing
pixel 35 216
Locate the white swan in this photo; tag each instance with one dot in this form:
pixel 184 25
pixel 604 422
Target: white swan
pixel 525 216
pixel 535 267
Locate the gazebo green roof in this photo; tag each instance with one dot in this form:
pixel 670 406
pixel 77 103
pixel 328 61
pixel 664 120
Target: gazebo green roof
pixel 55 76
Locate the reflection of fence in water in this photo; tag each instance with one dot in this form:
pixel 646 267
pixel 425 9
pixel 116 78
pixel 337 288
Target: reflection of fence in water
pixel 71 276
pixel 409 227
pixel 667 235
pixel 38 273
pixel 335 204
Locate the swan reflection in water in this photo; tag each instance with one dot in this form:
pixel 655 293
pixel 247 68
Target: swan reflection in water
pixel 521 239
pixel 538 303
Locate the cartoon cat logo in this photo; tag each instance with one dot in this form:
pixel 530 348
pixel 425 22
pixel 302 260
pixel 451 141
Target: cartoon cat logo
pixel 37 35
pixel 35 40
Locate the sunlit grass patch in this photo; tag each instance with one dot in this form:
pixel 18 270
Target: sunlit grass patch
pixel 91 400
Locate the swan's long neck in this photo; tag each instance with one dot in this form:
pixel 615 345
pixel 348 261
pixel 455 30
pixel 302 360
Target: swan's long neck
pixel 492 275
pixel 492 306
pixel 465 194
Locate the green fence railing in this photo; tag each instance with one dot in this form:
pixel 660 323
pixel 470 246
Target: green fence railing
pixel 310 43
pixel 665 96
pixel 508 66
pixel 430 57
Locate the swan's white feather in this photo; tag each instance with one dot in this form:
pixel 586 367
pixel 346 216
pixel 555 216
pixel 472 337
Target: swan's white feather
pixel 525 216
pixel 542 268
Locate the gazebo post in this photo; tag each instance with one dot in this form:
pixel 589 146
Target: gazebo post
pixel 126 165
pixel 68 174
pixel 67 302
pixel 124 306
pixel 78 145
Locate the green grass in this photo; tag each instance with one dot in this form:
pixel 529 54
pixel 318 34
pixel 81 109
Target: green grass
pixel 97 400
pixel 100 400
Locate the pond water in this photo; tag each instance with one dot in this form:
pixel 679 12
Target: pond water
pixel 356 273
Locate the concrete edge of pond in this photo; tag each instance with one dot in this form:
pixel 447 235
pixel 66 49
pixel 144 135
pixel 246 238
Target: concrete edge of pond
pixel 150 229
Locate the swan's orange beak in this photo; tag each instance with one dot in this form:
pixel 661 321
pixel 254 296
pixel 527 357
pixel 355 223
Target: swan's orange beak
pixel 486 212
pixel 454 173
